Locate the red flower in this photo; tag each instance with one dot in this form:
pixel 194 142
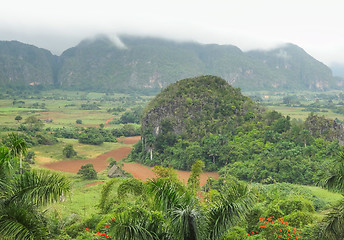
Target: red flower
pixel 87 229
pixel 103 234
pixel 98 233
pixel 113 219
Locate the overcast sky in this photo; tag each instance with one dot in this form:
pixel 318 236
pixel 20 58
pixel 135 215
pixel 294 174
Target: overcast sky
pixel 314 25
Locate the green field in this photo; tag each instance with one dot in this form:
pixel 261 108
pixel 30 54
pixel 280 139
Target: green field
pixel 64 107
pixel 298 105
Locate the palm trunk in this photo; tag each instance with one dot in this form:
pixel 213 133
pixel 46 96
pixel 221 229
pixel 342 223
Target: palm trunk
pixel 21 164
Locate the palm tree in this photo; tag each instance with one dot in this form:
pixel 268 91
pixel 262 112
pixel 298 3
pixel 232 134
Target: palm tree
pixel 21 197
pixel 17 147
pixel 179 205
pixel 133 221
pixel 169 210
pixel 189 220
pixel 233 205
pixel 332 226
pixel 138 223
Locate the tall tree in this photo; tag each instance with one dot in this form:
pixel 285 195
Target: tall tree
pixel 195 177
pixel 189 220
pixel 21 198
pixel 332 227
pixel 17 147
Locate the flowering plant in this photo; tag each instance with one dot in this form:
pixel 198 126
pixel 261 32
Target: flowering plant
pixel 271 228
pixel 88 234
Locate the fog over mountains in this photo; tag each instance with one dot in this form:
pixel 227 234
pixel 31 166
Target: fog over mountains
pixel 150 64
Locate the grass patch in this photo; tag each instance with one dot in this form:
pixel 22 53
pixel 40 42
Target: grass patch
pixel 329 197
pixel 85 151
pixel 83 199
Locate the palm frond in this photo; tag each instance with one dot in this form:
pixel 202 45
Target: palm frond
pixel 180 206
pixel 16 144
pixel 186 222
pixel 134 224
pixel 332 226
pixel 131 185
pixel 21 223
pixel 5 161
pixel 227 212
pixel 166 194
pixel 333 177
pixel 40 187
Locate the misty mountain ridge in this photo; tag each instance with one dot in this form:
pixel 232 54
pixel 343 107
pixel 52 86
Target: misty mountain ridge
pixel 150 64
pixel 337 69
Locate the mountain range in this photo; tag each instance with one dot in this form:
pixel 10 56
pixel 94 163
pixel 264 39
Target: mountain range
pixel 150 64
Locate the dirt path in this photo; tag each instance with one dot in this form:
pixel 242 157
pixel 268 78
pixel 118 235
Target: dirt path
pixel 99 162
pixel 137 170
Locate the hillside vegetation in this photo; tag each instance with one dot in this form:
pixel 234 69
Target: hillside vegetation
pixel 206 119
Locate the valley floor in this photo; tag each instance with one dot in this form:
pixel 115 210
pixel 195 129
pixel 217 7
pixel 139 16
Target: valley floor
pixel 139 171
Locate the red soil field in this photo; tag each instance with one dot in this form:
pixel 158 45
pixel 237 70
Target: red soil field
pixel 99 162
pixel 129 140
pixel 137 170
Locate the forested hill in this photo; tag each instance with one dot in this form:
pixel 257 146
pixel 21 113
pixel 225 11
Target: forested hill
pixel 150 64
pixel 206 119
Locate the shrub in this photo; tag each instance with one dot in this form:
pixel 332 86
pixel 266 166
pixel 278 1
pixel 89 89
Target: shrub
pixel 299 219
pixel 91 136
pixel 111 161
pixel 18 118
pixel 69 151
pixel 87 171
pixel 274 228
pixel 45 139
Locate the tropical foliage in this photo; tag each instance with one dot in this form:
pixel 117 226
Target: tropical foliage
pixel 333 179
pixel 173 212
pixel 23 195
